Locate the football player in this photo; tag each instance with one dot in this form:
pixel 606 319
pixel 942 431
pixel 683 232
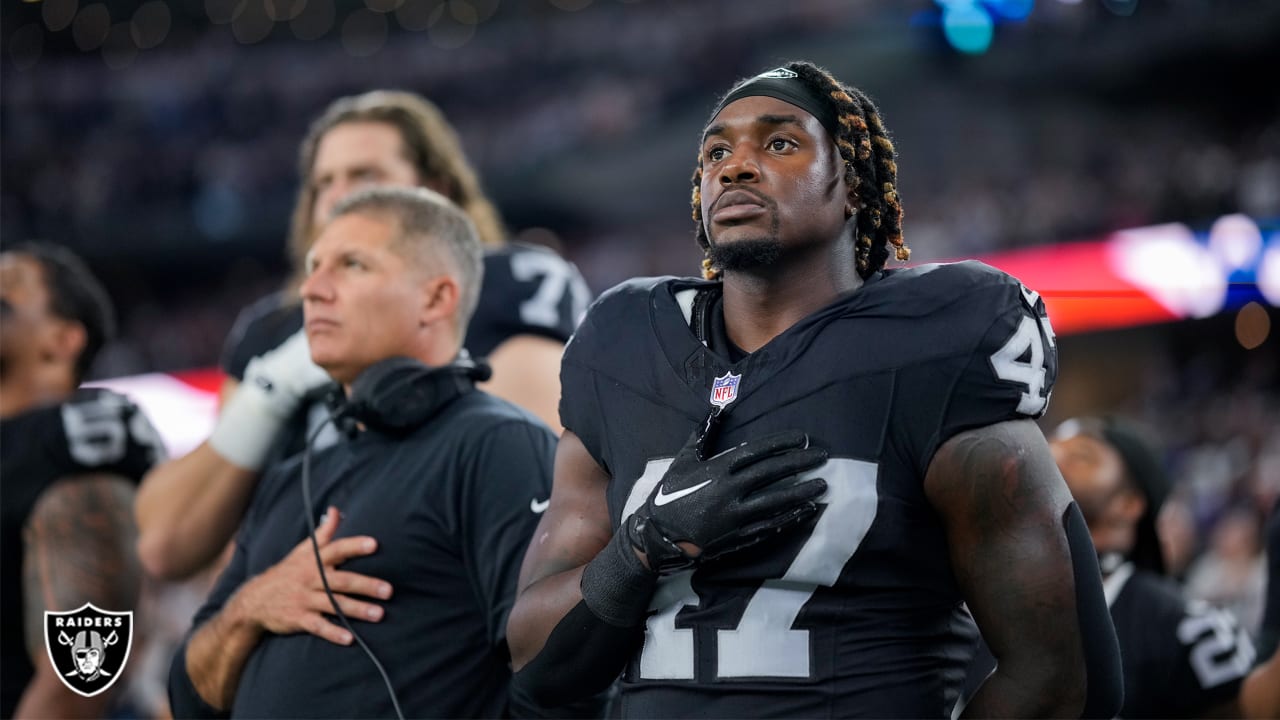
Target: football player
pixel 779 486
pixel 1260 693
pixel 1180 658
pixel 69 461
pixel 530 301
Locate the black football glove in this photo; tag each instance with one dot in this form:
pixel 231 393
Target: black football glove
pixel 726 502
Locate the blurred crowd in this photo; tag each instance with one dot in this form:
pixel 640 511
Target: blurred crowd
pixel 1218 415
pixel 176 173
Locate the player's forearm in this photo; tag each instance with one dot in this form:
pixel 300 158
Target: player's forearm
pixel 537 611
pixel 565 647
pixel 188 509
pixel 217 652
pixel 577 657
pixel 46 697
pixel 1006 695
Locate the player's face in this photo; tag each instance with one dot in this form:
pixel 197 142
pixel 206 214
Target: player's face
pixel 361 299
pixel 355 156
pixel 770 171
pixel 26 324
pixel 1094 472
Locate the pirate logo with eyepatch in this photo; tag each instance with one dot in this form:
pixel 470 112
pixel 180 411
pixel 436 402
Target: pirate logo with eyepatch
pixel 88 646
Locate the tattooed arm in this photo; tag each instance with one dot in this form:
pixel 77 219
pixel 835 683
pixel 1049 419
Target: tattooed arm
pixel 78 548
pixel 1003 503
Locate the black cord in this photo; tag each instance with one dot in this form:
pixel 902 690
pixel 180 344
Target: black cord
pixel 309 511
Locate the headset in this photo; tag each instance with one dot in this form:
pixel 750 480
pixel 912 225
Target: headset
pixel 394 397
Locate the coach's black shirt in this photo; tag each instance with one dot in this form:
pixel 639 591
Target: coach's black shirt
pixel 453 506
pixel 857 614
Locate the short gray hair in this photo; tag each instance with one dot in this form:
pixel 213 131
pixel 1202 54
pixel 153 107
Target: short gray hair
pixel 430 222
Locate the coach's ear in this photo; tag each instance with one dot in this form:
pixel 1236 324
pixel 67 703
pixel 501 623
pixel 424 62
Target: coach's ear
pixel 440 298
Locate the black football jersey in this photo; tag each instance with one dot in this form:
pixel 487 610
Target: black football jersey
pixel 1180 657
pixel 96 430
pixel 857 614
pixel 527 290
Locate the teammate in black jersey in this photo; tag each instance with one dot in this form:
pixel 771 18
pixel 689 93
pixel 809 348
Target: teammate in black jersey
pixel 530 302
pixel 1181 658
pixel 778 487
pixel 1260 694
pixel 69 460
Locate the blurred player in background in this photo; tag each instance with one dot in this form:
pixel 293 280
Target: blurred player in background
pixel 69 461
pixel 529 303
pixel 1260 695
pixel 1181 658
pixel 869 433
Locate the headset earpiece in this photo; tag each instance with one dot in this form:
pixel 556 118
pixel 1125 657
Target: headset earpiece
pixel 398 394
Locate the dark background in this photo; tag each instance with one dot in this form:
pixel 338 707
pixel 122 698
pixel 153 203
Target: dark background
pixel 159 139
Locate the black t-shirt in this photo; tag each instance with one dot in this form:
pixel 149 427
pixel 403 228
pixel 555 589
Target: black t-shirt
pixel 452 506
pixel 94 431
pixel 859 613
pixel 527 290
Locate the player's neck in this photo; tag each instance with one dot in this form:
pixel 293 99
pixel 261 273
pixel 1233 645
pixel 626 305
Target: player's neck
pixel 760 306
pixel 22 391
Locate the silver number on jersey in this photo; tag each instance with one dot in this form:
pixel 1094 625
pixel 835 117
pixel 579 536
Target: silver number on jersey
pixel 557 278
pixel 1219 650
pixel 97 433
pixel 1030 338
pixel 764 644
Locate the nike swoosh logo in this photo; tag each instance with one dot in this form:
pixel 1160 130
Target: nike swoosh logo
pixel 663 498
pixel 539 507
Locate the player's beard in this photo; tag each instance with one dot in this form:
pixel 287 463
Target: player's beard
pixel 749 254
pixel 746 255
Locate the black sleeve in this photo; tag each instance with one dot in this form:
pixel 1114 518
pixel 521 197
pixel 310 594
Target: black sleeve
pixel 260 327
pixel 507 470
pixel 184 700
pixel 527 290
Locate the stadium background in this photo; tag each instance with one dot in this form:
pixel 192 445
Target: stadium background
pixel 1120 156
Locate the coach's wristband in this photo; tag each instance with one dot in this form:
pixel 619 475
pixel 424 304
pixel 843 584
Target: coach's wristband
pixel 247 428
pixel 616 586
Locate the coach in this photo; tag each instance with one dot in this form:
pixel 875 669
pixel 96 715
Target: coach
pixel 424 513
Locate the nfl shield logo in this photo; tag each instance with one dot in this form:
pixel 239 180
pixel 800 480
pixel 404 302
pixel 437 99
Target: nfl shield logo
pixel 725 389
pixel 88 647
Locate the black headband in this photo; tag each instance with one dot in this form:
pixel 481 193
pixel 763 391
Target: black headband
pixel 783 84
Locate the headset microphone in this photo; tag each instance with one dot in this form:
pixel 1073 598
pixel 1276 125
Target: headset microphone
pixel 392 396
pixel 315 547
